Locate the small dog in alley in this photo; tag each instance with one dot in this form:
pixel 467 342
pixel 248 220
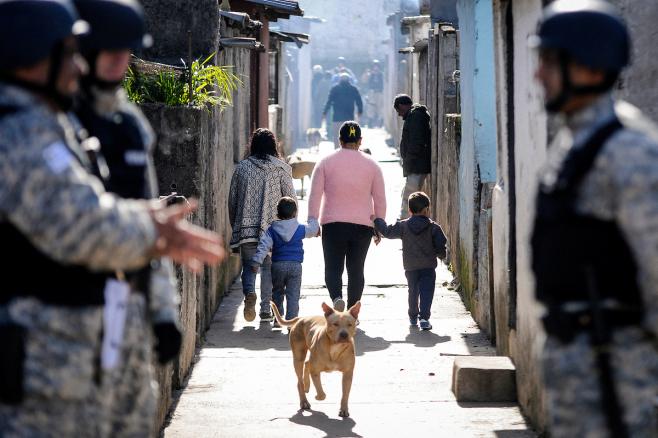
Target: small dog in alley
pixel 330 341
pixel 313 137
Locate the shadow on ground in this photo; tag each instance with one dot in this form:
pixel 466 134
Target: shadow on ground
pixel 332 427
pixel 424 338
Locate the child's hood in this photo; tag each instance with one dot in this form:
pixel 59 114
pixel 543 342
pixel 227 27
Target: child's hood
pixel 418 224
pixel 286 228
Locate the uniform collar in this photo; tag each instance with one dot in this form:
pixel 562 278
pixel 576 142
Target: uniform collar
pixel 13 95
pixel 585 122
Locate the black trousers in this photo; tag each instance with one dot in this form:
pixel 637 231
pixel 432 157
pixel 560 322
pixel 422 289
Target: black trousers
pixel 345 244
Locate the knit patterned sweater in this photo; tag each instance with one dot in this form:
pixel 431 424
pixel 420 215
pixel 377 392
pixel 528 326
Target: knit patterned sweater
pixel 256 187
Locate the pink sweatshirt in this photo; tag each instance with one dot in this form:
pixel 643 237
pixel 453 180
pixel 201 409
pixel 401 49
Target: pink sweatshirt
pixel 347 186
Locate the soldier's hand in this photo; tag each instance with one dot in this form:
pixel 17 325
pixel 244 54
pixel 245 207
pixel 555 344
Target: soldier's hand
pixel 183 242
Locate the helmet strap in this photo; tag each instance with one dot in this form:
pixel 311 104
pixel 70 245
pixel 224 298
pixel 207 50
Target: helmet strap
pixel 64 102
pixel 569 90
pixel 49 89
pixel 557 103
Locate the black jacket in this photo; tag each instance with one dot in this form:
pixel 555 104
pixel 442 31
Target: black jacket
pixel 343 96
pixel 415 145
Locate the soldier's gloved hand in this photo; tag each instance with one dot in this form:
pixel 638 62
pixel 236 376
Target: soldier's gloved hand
pixel 168 341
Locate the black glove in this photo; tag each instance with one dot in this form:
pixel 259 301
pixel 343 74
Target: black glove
pixel 168 341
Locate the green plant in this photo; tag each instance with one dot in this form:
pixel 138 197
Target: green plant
pixel 211 85
pixel 132 87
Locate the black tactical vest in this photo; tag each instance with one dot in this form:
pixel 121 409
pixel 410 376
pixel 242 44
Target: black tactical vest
pixel 125 154
pixel 577 257
pixel 28 272
pixel 123 148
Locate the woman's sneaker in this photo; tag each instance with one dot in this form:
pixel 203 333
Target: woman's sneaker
pixel 249 311
pixel 339 304
pixel 425 325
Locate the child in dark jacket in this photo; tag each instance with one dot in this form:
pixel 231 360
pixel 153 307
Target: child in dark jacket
pixel 422 242
pixel 284 239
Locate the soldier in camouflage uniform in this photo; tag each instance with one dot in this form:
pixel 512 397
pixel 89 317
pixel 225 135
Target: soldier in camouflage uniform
pixel 126 144
pixel 64 232
pixel 595 240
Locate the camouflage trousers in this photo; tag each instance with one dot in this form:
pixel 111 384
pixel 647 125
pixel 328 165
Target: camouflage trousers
pixel 62 390
pixel 572 385
pixel 131 386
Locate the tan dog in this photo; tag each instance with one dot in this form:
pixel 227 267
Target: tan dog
pixel 330 339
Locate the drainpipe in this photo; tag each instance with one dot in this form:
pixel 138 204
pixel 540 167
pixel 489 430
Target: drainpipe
pixel 264 75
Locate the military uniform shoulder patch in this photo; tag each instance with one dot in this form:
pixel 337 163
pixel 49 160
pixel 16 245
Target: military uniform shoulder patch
pixel 58 157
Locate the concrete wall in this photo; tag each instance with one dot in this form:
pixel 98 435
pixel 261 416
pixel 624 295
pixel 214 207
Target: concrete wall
pixel 530 143
pixel 444 11
pixel 478 153
pixel 169 21
pixel 637 83
pixel 196 152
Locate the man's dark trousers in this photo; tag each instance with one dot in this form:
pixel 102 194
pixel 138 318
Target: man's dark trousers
pixel 421 288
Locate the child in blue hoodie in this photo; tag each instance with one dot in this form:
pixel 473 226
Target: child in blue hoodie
pixel 284 239
pixel 422 242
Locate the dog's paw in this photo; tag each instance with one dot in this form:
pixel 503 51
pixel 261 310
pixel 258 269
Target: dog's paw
pixel 343 413
pixel 321 396
pixel 305 405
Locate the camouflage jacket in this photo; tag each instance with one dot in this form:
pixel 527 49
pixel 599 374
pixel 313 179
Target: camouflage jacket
pixel 622 185
pixel 48 195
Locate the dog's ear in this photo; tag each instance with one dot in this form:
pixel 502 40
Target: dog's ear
pixel 327 309
pixel 355 309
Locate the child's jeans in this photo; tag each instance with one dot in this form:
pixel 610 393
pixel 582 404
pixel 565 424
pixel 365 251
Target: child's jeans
pixel 247 252
pixel 287 281
pixel 421 288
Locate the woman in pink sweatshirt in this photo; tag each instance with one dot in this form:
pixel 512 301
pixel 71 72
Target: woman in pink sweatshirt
pixel 346 188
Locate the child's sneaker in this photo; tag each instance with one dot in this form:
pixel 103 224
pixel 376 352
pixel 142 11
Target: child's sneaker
pixel 413 321
pixel 265 317
pixel 425 325
pixel 339 304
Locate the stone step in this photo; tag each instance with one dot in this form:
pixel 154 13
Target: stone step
pixel 484 379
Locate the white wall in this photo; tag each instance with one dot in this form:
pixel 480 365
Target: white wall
pixel 530 147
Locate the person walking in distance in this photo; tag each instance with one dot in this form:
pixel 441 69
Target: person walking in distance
pixel 375 94
pixel 595 237
pixel 415 146
pixel 347 187
pixel 343 99
pixel 259 181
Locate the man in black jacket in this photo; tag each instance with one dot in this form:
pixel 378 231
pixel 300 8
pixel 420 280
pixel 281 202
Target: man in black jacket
pixel 415 144
pixel 343 97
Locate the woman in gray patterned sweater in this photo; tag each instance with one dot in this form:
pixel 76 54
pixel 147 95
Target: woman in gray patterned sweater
pixel 259 181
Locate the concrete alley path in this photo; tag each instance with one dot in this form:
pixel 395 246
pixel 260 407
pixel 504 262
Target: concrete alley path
pixel 243 384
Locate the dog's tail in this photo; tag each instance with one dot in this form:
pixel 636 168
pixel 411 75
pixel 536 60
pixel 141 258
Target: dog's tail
pixel 279 318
